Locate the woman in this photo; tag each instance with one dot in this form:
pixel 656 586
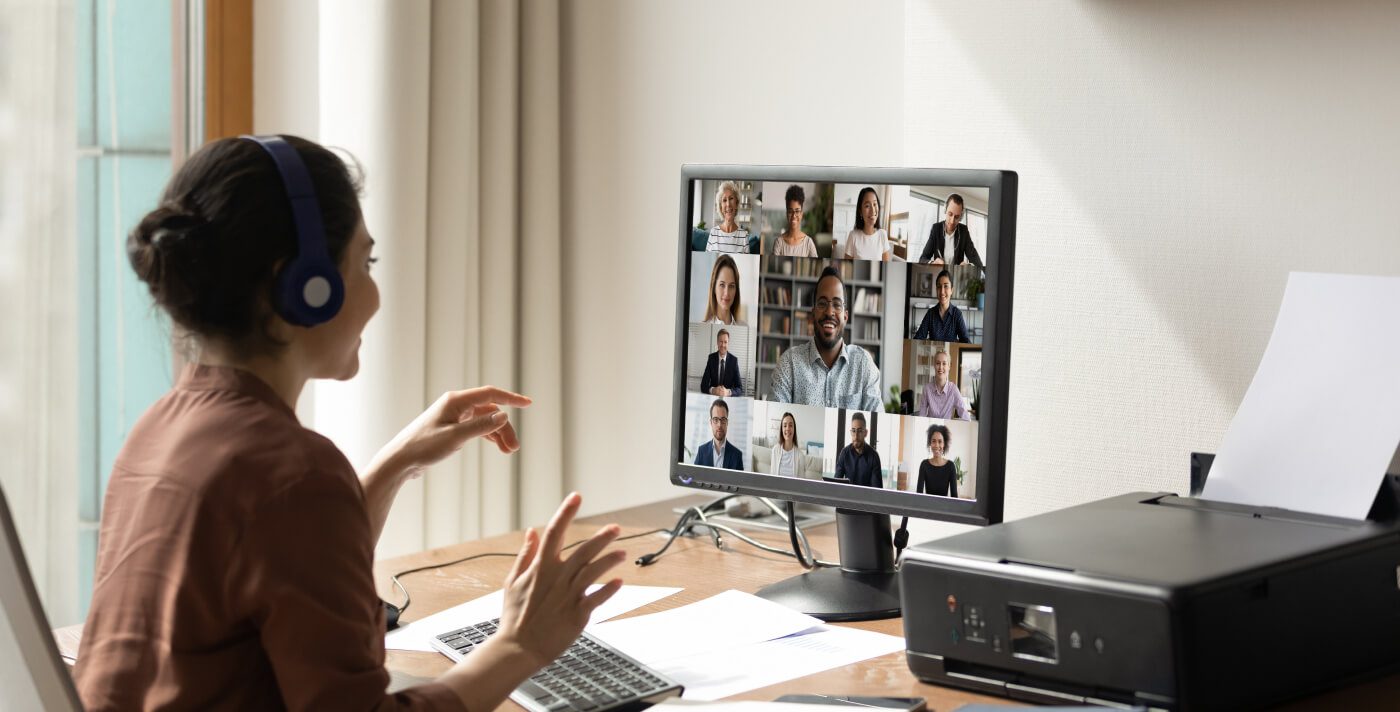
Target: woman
pixel 944 322
pixel 937 475
pixel 235 562
pixel 868 241
pixel 788 459
pixel 727 236
pixel 725 304
pixel 793 242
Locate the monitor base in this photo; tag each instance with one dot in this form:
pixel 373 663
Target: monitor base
pixel 835 595
pixel 864 588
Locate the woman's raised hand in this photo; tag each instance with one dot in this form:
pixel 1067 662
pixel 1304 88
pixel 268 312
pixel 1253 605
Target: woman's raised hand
pixel 447 425
pixel 546 600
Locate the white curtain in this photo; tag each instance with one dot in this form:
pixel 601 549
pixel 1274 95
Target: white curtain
pixel 38 265
pixel 452 108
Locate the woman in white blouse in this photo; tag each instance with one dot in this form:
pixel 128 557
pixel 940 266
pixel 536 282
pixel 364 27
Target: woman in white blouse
pixel 868 241
pixel 793 242
pixel 788 459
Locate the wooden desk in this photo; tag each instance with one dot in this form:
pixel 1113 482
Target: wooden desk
pixel 695 565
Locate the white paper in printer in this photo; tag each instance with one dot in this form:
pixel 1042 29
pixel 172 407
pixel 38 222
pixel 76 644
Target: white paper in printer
pixel 1321 420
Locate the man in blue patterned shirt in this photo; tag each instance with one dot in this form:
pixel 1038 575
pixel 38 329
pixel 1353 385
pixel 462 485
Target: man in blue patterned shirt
pixel 827 371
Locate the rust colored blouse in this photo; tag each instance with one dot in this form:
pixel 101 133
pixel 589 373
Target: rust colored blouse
pixel 234 565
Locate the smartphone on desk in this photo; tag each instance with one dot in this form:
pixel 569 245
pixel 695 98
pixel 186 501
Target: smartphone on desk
pixel 899 704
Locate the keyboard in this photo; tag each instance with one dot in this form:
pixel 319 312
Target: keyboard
pixel 591 676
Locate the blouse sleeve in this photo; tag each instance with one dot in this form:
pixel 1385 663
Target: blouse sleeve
pixel 303 576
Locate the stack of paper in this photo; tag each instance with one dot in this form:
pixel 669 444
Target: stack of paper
pixel 1319 424
pixel 733 642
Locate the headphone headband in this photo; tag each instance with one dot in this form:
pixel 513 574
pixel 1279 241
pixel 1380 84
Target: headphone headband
pixel 309 289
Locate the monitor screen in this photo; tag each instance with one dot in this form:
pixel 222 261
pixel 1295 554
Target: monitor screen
pixel 842 336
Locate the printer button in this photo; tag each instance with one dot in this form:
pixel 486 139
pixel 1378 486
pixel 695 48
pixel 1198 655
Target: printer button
pixel 1098 645
pixel 1074 640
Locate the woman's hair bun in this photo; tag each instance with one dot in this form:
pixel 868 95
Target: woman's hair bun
pixel 159 250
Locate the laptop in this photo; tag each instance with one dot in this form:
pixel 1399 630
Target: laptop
pixel 32 675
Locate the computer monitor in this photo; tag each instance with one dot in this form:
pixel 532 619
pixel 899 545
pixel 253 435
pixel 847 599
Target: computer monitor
pixel 843 338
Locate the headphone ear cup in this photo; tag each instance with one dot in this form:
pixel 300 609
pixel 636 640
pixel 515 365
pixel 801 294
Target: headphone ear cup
pixel 309 292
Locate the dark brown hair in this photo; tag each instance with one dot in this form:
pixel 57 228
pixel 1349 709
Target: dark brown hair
pixel 210 250
pixel 943 430
pixel 860 220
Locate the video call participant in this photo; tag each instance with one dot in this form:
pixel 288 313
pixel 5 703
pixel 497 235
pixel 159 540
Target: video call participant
pixel 788 459
pixel 721 377
pixel 717 452
pixel 793 242
pixel 937 475
pixel 951 228
pixel 941 398
pixel 725 304
pixel 235 566
pixel 868 241
pixel 726 235
pixel 858 462
pixel 827 371
pixel 944 322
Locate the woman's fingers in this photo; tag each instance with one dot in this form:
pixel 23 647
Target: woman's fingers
pixel 505 438
pixel 478 427
pixel 554 532
pixel 591 601
pixel 589 550
pixel 464 401
pixel 522 560
pixel 597 567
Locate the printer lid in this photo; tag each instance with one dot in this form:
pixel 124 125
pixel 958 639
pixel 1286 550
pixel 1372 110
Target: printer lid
pixel 1161 539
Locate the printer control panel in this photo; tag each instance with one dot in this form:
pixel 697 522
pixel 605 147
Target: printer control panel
pixel 1020 625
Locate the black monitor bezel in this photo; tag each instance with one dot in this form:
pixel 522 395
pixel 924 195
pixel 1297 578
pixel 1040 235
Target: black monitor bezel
pixel 1000 268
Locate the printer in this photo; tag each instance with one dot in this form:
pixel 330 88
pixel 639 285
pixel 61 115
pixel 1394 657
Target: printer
pixel 1158 601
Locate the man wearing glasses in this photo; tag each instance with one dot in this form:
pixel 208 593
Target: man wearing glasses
pixel 717 452
pixel 827 371
pixel 858 462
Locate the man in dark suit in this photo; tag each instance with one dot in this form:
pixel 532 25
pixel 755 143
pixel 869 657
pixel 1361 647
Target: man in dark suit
pixel 721 377
pixel 963 249
pixel 717 452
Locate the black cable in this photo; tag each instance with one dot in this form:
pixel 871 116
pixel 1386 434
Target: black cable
pixel 683 525
pixel 395 611
pixel 792 534
pixel 686 524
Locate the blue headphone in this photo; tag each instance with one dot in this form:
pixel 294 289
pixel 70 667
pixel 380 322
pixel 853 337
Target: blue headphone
pixel 308 289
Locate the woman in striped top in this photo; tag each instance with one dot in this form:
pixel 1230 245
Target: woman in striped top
pixel 727 236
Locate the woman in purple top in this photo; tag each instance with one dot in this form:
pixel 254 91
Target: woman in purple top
pixel 941 398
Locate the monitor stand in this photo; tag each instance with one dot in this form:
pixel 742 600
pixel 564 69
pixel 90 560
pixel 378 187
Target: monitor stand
pixel 864 588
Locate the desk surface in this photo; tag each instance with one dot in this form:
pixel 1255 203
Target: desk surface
pixel 696 566
pixel 692 564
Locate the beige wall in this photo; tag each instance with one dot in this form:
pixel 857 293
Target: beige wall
pixel 649 86
pixel 1176 161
